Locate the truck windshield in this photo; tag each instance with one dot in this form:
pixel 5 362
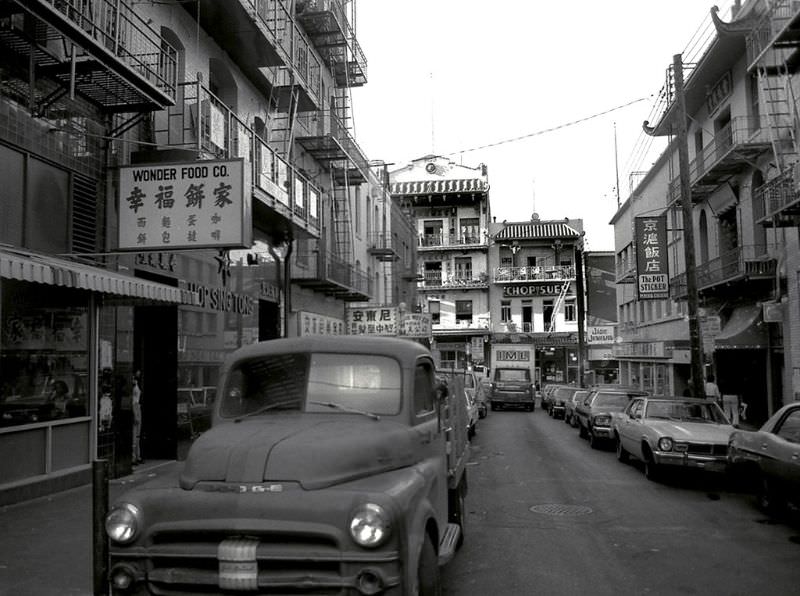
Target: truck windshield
pixel 275 383
pixel 512 374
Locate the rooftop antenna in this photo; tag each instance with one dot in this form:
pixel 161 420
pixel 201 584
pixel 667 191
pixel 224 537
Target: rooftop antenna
pixel 616 162
pixel 433 136
pixel 534 215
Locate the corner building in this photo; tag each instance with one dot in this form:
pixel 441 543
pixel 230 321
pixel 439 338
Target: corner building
pixel 92 89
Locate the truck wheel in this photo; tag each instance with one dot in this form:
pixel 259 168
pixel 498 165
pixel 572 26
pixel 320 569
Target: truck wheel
pixel 428 570
pixel 495 406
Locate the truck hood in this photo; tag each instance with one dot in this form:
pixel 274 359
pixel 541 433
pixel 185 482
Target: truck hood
pixel 315 451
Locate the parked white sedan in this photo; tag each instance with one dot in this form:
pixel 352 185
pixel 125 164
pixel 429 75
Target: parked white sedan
pixel 674 432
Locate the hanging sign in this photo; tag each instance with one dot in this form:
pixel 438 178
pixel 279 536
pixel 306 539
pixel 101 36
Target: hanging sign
pixel 652 266
pixel 197 204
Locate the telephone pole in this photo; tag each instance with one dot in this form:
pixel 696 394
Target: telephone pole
pixel 696 347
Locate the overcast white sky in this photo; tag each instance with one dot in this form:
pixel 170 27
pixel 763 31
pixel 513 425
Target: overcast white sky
pixel 447 76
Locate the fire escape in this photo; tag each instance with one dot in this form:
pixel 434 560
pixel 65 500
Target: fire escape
pixel 326 136
pixel 773 55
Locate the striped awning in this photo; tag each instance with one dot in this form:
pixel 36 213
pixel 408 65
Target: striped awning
pixel 425 187
pixel 530 231
pixel 60 272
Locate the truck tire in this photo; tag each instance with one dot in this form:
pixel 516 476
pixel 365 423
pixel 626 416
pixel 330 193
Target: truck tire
pixel 428 580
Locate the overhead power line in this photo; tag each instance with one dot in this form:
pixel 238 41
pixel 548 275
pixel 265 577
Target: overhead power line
pixel 552 128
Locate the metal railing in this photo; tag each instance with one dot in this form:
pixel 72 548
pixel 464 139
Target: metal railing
pixel 459 280
pixel 208 126
pixel 116 27
pixel 776 194
pixel 545 273
pixel 328 267
pixel 741 130
pixel 739 263
pixel 772 22
pixel 455 240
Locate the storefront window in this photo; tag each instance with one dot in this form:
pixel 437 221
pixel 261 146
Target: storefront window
pixel 44 348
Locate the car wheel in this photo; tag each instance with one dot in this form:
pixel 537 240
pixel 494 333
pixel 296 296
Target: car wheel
pixel 651 469
pixel 471 431
pixel 494 406
pixel 769 499
pixel 566 419
pixel 428 570
pixel 594 442
pixel 622 455
pixel 582 431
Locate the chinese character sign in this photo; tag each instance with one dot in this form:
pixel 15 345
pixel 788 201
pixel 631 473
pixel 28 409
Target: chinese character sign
pixel 197 204
pixel 652 266
pixel 371 320
pixel 416 325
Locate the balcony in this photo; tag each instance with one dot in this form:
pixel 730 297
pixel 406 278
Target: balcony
pixel 775 37
pixel 265 36
pixel 434 280
pixel 466 241
pixel 326 138
pixel 380 245
pixel 739 142
pixel 466 327
pixel 526 274
pixel 120 64
pixel 331 32
pixel 777 203
pixel 204 125
pixel 729 272
pixel 332 276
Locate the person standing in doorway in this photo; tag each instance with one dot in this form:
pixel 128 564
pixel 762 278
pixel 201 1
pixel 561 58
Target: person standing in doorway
pixel 711 389
pixel 136 395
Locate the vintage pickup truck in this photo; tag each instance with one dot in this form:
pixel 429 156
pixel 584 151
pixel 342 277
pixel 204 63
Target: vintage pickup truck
pixel 334 465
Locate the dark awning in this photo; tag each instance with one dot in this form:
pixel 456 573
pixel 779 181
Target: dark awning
pixel 743 331
pixel 61 272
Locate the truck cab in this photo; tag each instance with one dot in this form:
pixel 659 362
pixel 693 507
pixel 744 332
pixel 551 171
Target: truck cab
pixel 332 464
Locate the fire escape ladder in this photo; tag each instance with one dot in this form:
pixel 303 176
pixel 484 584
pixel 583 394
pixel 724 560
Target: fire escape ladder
pixel 342 226
pixel 557 306
pixel 775 95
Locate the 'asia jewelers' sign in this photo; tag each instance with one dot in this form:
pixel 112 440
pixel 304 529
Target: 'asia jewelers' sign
pixel 197 204
pixel 652 266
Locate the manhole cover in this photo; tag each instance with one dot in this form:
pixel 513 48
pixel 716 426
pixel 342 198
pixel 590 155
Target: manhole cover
pixel 564 510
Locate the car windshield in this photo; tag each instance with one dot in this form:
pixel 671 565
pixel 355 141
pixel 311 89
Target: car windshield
pixel 313 382
pixel 611 401
pixel 512 374
pixel 579 396
pixel 685 412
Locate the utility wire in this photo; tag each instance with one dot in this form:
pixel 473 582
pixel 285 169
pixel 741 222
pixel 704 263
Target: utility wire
pixel 551 129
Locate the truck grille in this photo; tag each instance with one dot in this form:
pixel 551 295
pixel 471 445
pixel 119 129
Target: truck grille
pixel 208 562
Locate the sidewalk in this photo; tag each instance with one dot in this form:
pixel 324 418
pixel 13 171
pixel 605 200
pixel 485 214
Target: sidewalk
pixel 46 543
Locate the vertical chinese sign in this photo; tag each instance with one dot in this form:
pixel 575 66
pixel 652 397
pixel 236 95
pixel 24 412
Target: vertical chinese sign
pixel 652 266
pixel 198 204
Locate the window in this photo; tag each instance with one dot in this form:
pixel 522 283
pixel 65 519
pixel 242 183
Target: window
pixel 470 230
pixel 463 267
pixel 505 311
pixel 790 427
pixel 434 308
pixel 423 390
pixel 464 310
pixel 570 311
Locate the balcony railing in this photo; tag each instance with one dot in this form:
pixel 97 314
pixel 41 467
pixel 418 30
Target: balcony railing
pixel 742 263
pixel 459 280
pixel 545 273
pixel 626 273
pixel 473 324
pixel 512 327
pixel 740 141
pixel 766 34
pixel 332 275
pixel 469 240
pixel 778 201
pixel 381 245
pixel 122 64
pixel 203 123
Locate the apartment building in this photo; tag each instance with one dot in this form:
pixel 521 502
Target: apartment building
pixel 449 204
pixel 180 179
pixel 535 295
pixel 742 129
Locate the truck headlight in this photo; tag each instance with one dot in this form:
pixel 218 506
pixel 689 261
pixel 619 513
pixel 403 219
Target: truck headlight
pixel 370 525
pixel 665 444
pixel 122 523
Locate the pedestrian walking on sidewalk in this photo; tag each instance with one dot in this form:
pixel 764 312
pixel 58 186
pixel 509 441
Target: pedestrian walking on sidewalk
pixel 137 420
pixel 711 390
